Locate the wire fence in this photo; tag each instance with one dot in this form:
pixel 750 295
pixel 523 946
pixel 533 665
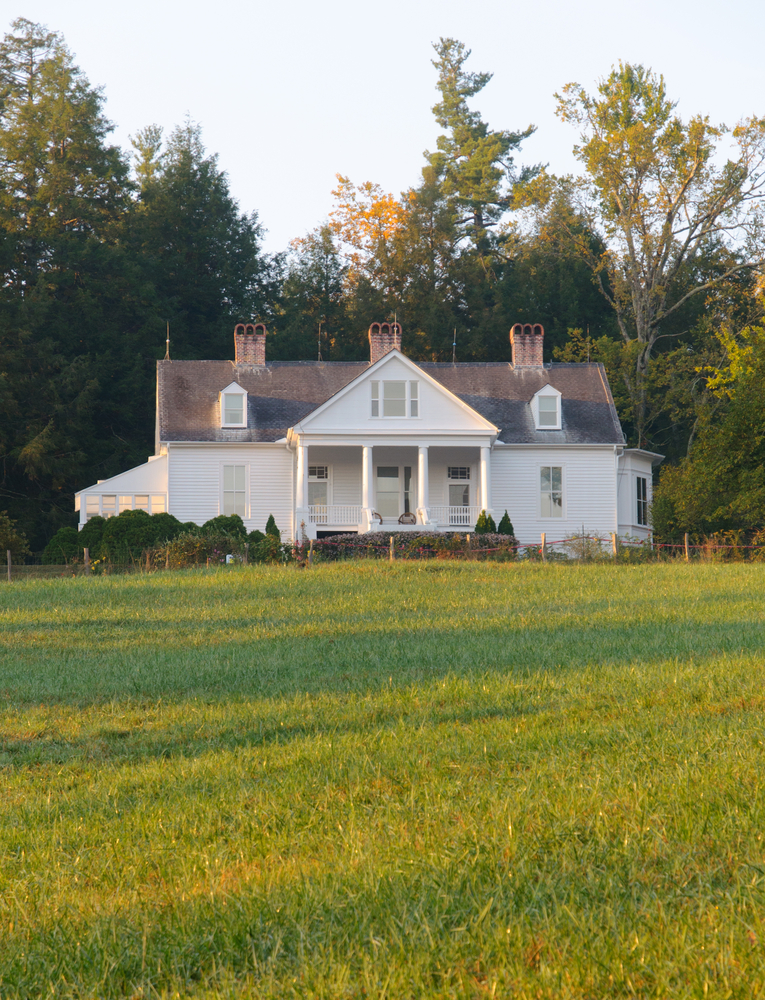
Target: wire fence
pixel 577 548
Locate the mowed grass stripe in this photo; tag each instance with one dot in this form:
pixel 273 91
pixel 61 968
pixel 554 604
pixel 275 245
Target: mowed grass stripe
pixel 431 781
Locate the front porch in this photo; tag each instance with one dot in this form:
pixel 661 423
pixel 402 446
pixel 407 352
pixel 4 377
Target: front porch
pixel 365 488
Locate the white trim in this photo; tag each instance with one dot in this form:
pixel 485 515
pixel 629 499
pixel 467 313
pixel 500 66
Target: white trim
pixel 546 519
pixel 547 391
pixel 232 389
pixel 233 463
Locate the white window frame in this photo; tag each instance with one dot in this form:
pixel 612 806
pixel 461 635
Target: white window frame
pixel 413 400
pixel 546 518
pixel 548 391
pixel 246 465
pixel 232 390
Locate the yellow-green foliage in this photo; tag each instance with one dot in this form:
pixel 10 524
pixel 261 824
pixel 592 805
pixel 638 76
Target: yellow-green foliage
pixel 372 779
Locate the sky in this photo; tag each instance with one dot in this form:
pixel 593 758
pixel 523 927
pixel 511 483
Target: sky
pixel 290 94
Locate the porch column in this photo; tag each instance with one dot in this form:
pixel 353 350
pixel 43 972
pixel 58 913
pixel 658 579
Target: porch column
pixel 366 474
pixel 301 497
pixel 423 493
pixel 486 479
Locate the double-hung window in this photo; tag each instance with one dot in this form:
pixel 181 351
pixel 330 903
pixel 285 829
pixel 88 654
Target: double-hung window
pixel 233 406
pixel 395 398
pixel 235 490
pixel 546 409
pixel 642 500
pixel 551 491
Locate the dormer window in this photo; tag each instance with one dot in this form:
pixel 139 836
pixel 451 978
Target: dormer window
pixel 233 406
pixel 546 409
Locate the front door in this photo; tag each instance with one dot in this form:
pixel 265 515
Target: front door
pixel 388 490
pixel 394 490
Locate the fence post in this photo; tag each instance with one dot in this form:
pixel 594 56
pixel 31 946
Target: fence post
pixel 310 553
pixel 614 544
pixel 687 550
pixel 86 560
pixel 391 555
pixel 8 555
pixel 544 547
pixel 246 553
pixel 167 558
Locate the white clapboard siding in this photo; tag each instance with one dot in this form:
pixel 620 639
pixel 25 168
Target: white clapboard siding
pixel 589 491
pixel 194 481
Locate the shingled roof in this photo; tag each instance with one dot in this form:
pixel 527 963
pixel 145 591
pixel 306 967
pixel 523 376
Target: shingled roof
pixel 281 393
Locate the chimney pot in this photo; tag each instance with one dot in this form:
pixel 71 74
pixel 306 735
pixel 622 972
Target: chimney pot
pixel 526 341
pixel 250 344
pixel 383 337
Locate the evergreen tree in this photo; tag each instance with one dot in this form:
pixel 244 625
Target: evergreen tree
pixel 473 162
pixel 201 254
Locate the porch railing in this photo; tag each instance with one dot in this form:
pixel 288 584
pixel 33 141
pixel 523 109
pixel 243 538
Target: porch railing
pixel 455 517
pixel 334 514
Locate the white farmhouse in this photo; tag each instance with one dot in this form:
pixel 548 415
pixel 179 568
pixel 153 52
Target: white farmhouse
pixel 330 447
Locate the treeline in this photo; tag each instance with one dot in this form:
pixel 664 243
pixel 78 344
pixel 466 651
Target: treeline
pixel 649 263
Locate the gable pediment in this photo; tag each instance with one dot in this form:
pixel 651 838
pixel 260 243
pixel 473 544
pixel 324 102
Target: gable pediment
pixel 394 395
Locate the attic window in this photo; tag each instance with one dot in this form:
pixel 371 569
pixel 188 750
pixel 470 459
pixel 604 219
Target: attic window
pixel 395 399
pixel 233 407
pixel 546 409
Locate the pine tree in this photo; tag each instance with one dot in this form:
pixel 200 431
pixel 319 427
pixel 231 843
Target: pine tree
pixel 474 163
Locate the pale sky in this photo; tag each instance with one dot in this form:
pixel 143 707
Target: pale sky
pixel 289 94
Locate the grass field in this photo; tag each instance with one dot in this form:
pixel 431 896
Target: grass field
pixel 460 780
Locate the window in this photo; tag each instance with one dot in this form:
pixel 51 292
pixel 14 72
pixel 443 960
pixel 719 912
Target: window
pixel 234 490
pixel 642 501
pixel 158 504
pixel 318 485
pixel 395 399
pixel 108 506
pixel 551 490
pixel 459 493
pixel 548 411
pixel 414 399
pixel 142 503
pixel 233 406
pixel 459 472
pixel 126 503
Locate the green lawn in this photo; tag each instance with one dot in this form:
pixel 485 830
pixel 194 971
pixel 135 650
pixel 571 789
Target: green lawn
pixel 374 780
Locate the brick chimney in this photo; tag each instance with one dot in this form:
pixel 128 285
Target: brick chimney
pixel 250 344
pixel 526 341
pixel 383 337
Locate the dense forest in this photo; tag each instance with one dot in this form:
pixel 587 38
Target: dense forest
pixel 648 261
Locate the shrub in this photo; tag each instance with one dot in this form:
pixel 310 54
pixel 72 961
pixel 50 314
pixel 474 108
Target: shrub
pixel 225 524
pixel 271 528
pixel 255 536
pixel 505 526
pixel 485 524
pixel 132 531
pixel 11 538
pixel 64 547
pixel 90 535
